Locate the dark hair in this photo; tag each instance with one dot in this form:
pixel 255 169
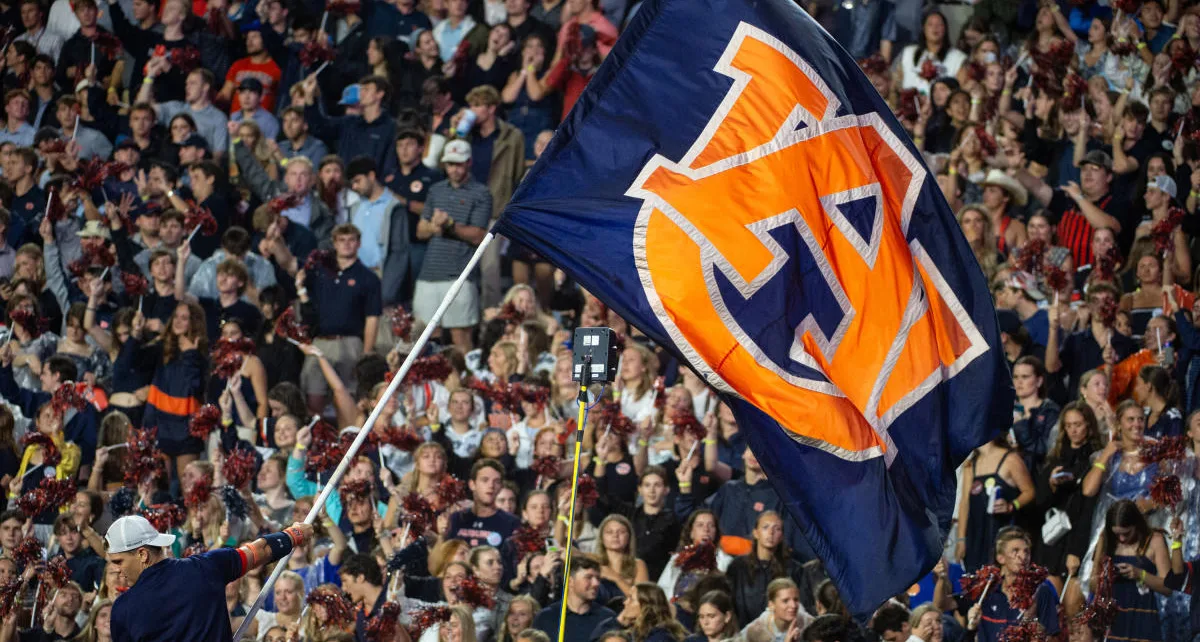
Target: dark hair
pixel 828 597
pixel 370 371
pixel 292 398
pixel 169 170
pixel 1062 442
pixel 827 628
pixel 486 462
pixel 778 566
pixel 381 85
pixel 578 563
pixel 357 564
pixel 414 134
pixel 209 167
pixel 1161 382
pixel 360 166
pixel 890 617
pixel 63 367
pixel 20 517
pixel 24 50
pixel 95 503
pixel 685 535
pixel 235 241
pixel 1125 514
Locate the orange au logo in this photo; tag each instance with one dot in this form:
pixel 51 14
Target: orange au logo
pixel 776 255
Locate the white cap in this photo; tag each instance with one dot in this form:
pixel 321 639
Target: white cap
pixel 132 532
pixel 456 151
pixel 1164 184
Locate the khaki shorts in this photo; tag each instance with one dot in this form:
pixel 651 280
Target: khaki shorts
pixel 342 353
pixel 463 311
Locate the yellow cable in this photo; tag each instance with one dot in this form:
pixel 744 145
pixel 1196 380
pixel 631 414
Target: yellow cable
pixel 562 617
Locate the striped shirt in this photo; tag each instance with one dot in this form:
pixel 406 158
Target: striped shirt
pixel 1074 230
pixel 470 204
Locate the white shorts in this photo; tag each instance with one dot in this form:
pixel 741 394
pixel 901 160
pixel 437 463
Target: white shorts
pixel 463 311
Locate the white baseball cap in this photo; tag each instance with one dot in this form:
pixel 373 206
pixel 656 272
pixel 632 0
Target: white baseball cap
pixel 133 532
pixel 1164 184
pixel 456 151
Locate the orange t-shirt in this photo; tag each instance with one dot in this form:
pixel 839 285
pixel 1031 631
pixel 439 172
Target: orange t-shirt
pixel 267 73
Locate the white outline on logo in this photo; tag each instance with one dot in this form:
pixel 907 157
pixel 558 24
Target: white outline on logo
pixel 868 248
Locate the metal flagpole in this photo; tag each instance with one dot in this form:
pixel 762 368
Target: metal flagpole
pixel 370 423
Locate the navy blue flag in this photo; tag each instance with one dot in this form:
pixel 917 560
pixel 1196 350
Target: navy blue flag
pixel 732 185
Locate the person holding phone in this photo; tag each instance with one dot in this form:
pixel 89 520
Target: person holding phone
pixel 1078 437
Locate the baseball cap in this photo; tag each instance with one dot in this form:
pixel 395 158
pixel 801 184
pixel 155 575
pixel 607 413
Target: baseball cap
pixel 1007 320
pixel 195 140
pixel 1165 184
pixel 252 84
pixel 1025 282
pixel 132 532
pixel 93 229
pixel 349 95
pixel 456 151
pixel 1098 158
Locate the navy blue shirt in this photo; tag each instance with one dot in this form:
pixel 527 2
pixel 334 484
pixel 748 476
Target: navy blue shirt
pixel 341 303
pixel 247 314
pixel 477 531
pixel 190 590
pixel 29 208
pixel 998 614
pixel 577 626
pixel 481 156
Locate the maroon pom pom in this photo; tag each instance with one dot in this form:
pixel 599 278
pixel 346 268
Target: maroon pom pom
pixel 1165 449
pixel 228 355
pixel 450 491
pixel 67 396
pixel 475 593
pixel 206 420
pixel 532 394
pixel 50 494
pixel 135 284
pixel 1025 631
pixel 31 323
pixel 660 392
pixel 195 549
pixel 288 326
pixel 326 451
pixel 528 539
pixel 432 368
pixel 908 104
pixel 355 491
pixel 239 467
pixel 1166 490
pixel 1161 231
pixel 401 439
pixel 145 460
pixel 1031 257
pixel 56 573
pixel 50 453
pixel 382 626
pixel 27 552
pixel 402 323
pixel 8 597
pixel 343 7
pixel 502 398
pixel 1056 278
pixel 547 467
pixel 199 217
pixel 1024 584
pixel 418 512
pixel 973 584
pixel 698 557
pixel 185 59
pixel 874 64
pixel 339 612
pixel 586 494
pixel 314 53
pixel 685 423
pixel 285 202
pixel 1127 7
pixel 929 69
pixel 164 517
pixel 107 44
pixel 427 617
pixel 200 493
pixel 1104 267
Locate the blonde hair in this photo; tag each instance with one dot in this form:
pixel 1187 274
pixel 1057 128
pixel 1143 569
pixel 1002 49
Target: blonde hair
pixel 504 633
pixel 985 250
pixel 443 555
pixel 628 568
pixel 89 632
pixel 510 355
pixel 412 479
pixel 466 622
pixel 650 368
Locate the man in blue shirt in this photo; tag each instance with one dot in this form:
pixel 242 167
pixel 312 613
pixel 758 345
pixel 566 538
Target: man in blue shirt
pixel 997 614
pixel 584 614
pixel 373 214
pixel 181 600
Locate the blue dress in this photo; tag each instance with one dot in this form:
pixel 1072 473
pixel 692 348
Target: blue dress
pixel 531 117
pixel 983 526
pixel 1137 609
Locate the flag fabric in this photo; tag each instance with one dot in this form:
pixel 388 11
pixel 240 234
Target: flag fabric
pixel 732 185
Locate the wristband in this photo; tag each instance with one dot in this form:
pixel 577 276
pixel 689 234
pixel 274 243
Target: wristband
pixel 975 101
pixel 1017 504
pixel 227 422
pixel 1141 45
pixel 563 519
pixel 435 427
pixel 300 447
pixel 710 442
pixel 951 171
pixel 1176 545
pixel 1100 466
pixel 1142 579
pixel 685 484
pixel 1194 194
pixel 643 442
pixel 147 80
pixel 1006 92
pixel 281 544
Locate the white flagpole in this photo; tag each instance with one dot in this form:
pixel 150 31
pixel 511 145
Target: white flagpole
pixel 365 431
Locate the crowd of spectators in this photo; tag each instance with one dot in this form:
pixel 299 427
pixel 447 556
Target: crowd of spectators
pixel 218 216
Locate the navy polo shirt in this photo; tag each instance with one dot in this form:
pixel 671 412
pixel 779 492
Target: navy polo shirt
pixel 345 300
pixel 29 207
pixel 179 600
pixel 413 187
pixel 997 614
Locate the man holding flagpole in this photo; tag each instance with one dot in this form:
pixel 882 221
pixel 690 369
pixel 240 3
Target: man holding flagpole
pixel 181 600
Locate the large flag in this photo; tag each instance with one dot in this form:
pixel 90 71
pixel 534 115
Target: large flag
pixel 732 185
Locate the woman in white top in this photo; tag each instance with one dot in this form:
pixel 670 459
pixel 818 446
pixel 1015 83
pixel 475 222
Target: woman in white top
pixel 933 45
pixel 701 526
pixel 639 367
pixel 289 602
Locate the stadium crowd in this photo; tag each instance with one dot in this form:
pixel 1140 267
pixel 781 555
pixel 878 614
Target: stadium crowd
pixel 218 216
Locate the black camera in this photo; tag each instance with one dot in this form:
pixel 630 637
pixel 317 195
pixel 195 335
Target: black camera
pixel 594 349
